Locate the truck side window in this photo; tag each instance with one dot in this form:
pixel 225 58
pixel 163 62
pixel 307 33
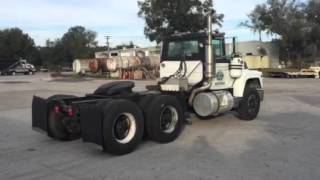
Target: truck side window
pixel 191 48
pixel 175 49
pixel 178 49
pixel 219 50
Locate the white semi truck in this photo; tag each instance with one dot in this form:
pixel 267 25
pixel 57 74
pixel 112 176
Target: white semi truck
pixel 196 77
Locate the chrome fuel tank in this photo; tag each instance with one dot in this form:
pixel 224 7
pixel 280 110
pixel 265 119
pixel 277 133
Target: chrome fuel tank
pixel 213 103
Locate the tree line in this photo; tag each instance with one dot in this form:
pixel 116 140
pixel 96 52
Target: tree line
pixel 294 24
pixel 77 42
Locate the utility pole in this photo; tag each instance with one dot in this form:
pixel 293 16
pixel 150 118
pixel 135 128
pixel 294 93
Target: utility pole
pixel 108 45
pixel 108 51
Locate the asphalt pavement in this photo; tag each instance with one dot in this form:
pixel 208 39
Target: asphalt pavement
pixel 283 143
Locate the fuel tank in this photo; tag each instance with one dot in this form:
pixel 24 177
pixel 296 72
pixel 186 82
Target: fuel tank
pixel 213 103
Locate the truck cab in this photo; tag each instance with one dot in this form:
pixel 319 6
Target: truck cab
pixel 188 53
pixel 191 48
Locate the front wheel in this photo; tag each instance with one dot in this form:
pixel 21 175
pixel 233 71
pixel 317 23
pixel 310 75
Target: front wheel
pixel 29 73
pixel 249 106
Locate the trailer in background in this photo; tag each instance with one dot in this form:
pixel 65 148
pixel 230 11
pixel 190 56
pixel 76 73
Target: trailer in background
pixel 312 72
pixel 317 71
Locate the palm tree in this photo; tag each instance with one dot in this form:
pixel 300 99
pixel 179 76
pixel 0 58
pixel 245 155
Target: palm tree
pixel 255 23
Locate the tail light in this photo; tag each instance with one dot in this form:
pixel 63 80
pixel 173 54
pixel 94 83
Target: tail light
pixel 71 111
pixel 57 109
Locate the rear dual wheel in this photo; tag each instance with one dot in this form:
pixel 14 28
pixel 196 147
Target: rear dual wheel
pixel 164 117
pixel 123 126
pixel 124 122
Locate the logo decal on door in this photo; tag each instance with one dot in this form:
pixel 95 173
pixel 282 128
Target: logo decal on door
pixel 220 76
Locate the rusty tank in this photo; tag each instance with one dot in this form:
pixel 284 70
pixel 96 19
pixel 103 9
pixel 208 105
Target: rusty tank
pixel 98 65
pixel 118 62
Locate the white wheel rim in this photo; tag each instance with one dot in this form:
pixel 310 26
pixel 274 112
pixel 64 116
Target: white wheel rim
pixel 131 131
pixel 170 126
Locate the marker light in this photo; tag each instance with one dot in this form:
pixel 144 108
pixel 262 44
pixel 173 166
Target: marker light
pixel 57 109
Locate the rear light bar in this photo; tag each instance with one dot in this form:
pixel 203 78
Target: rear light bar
pixel 69 110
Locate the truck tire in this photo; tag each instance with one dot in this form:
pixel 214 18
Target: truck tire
pixel 28 73
pixel 249 105
pixel 55 123
pixel 164 119
pixel 123 126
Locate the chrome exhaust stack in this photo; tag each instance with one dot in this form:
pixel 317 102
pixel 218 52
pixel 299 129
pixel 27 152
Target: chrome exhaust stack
pixel 210 66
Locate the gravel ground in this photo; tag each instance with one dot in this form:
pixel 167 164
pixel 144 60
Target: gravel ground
pixel 283 143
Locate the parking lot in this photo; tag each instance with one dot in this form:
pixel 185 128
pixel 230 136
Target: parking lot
pixel 283 143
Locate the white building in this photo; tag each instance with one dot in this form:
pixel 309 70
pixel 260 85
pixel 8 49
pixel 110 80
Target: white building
pixel 149 51
pixel 264 54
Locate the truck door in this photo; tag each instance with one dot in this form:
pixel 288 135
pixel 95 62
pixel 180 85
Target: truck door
pixel 223 79
pixel 183 52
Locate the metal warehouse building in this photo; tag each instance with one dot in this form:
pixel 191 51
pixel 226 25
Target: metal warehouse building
pixel 258 55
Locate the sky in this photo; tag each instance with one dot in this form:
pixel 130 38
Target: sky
pixel 50 19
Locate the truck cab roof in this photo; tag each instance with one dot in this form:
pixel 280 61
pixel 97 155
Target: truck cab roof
pixel 198 35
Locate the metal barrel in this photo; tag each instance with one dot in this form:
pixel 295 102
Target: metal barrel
pixel 81 65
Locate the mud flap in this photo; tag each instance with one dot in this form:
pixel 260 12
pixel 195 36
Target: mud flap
pixel 91 124
pixel 39 114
